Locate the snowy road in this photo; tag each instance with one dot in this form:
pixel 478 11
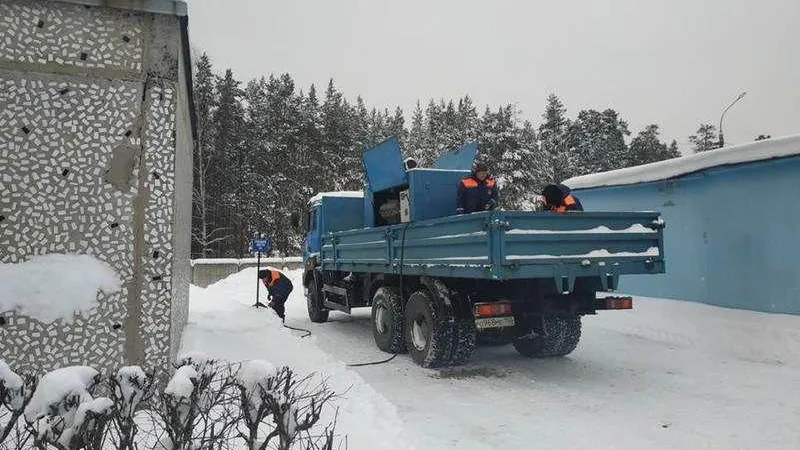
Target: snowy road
pixel 666 375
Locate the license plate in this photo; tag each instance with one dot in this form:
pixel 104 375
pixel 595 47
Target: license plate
pixel 494 322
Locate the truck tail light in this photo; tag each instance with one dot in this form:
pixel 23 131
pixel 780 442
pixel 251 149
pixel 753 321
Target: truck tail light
pixel 619 302
pixel 492 309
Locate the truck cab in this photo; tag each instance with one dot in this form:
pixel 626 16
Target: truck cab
pixel 328 212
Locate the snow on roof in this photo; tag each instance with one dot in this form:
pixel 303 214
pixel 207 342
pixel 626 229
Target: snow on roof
pixel 351 194
pixel 671 168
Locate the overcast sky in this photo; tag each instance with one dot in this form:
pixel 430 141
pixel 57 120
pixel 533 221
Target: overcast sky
pixel 675 63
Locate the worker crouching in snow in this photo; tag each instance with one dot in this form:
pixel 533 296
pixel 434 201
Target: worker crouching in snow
pixel 279 287
pixel 559 198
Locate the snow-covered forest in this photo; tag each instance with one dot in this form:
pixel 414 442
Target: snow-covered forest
pixel 267 145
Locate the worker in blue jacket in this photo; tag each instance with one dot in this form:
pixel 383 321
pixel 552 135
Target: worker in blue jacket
pixel 279 287
pixel 559 198
pixel 477 192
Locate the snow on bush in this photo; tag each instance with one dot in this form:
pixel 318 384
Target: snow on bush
pixel 293 405
pixel 253 377
pixel 11 388
pixel 205 404
pixel 59 389
pixel 55 286
pixel 181 385
pixel 97 406
pixel 90 417
pixel 130 384
pixel 202 363
pixel 58 396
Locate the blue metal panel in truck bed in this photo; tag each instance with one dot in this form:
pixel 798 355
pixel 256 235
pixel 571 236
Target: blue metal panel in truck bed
pixel 504 245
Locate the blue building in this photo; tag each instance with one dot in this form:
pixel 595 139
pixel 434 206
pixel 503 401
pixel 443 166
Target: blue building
pixel 732 223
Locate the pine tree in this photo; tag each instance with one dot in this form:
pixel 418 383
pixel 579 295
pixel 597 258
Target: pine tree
pixel 599 139
pixel 554 140
pixel 289 159
pixel 395 126
pixel 416 142
pixel 311 142
pixel 499 148
pixel 467 119
pixel 646 147
pixel 673 151
pixel 265 162
pixel 450 136
pixel 361 125
pixel 227 173
pixel 434 130
pixel 337 142
pixel 204 232
pixel 526 168
pixel 376 127
pixel 705 139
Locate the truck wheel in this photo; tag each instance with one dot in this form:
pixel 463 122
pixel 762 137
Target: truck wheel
pixel 572 335
pixel 387 320
pixel 561 336
pixel 429 334
pixel 465 338
pixel 314 302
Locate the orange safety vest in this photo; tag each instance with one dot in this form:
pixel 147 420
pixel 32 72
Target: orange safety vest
pixel 470 182
pixel 568 201
pixel 273 277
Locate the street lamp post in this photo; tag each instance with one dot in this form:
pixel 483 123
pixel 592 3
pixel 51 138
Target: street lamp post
pixel 721 137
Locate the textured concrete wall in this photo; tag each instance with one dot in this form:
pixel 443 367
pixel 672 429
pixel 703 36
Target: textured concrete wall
pixel 181 271
pixel 731 234
pixel 93 140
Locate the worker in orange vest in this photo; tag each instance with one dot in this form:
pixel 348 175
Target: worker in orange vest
pixel 477 192
pixel 279 287
pixel 559 198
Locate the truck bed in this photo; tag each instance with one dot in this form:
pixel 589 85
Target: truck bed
pixel 502 245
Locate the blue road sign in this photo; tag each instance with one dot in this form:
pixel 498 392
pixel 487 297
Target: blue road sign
pixel 259 245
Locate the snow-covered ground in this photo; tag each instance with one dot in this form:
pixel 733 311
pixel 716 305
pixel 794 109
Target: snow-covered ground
pixel 665 375
pixel 223 324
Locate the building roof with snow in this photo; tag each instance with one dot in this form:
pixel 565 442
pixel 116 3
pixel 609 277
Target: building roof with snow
pixel 676 167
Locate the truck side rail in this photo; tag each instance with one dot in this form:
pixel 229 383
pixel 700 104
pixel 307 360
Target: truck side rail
pixel 505 245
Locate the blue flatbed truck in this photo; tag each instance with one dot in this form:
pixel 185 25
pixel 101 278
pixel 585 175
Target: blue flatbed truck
pixel 439 283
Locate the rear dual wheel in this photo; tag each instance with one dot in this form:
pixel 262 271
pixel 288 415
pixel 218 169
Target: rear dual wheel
pixel 433 337
pixel 559 336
